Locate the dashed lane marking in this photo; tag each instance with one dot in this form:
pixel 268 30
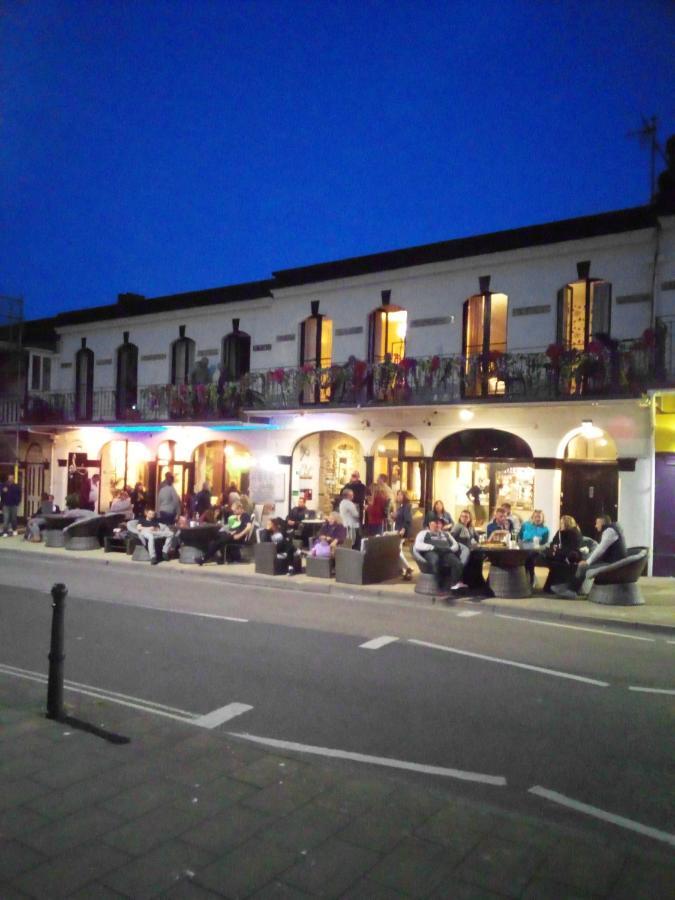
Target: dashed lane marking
pixel 468 613
pixel 597 813
pixel 630 637
pixel 510 662
pixel 496 780
pixel 224 714
pixel 648 690
pixel 378 642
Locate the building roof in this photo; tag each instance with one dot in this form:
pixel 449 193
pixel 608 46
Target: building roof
pixel 495 242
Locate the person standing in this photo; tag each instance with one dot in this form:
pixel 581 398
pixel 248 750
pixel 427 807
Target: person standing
pixel 94 489
pixel 138 500
pixel 10 494
pixel 359 490
pixel 202 500
pixel 403 525
pixel 168 501
pixel 349 513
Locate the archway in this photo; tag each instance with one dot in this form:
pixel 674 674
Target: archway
pixel 123 464
pixel 399 456
pixel 480 468
pixel 590 478
pixel 321 465
pixel 225 465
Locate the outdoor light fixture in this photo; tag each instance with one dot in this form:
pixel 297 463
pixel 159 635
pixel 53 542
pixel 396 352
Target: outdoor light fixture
pixel 589 430
pixel 381 448
pixel 466 415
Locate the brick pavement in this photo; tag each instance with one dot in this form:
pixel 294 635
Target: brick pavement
pixel 181 812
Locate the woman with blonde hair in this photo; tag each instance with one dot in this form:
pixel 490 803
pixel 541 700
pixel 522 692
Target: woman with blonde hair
pixel 563 553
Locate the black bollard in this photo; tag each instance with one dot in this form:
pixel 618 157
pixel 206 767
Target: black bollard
pixel 56 654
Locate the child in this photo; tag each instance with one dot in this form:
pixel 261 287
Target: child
pixel 321 548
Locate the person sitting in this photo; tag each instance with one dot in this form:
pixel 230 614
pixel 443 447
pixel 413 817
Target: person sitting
pixel 122 504
pixel 516 524
pixel 233 533
pixel 500 528
pixel 37 523
pixel 440 550
pixel 533 532
pixel 350 515
pixel 611 548
pixel 467 537
pixel 321 548
pixel 439 513
pixel 403 525
pixel 296 517
pixel 277 533
pixel 562 554
pixel 334 531
pixel 148 529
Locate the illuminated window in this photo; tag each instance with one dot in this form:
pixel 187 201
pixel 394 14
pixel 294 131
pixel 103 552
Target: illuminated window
pixel 387 333
pixel 583 311
pixel 316 352
pixel 483 340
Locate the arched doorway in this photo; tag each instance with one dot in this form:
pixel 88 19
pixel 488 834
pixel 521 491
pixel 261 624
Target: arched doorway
pixel 222 464
pixel 590 478
pixel 480 468
pixel 34 482
pixel 399 456
pixel 321 465
pixel 123 464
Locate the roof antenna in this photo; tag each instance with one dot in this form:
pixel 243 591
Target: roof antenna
pixel 648 135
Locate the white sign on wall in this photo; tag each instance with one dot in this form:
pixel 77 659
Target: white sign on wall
pixel 267 485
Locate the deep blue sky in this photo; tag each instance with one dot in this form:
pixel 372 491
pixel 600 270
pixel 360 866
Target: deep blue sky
pixel 161 146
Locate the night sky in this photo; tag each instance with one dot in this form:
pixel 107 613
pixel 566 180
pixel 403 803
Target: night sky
pixel 159 147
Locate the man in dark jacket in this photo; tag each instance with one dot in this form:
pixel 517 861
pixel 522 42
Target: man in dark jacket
pixel 358 488
pixel 10 495
pixel 203 499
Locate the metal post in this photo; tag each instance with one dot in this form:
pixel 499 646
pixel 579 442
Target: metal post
pixel 56 654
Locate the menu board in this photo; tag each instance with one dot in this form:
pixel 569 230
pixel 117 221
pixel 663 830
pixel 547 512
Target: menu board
pixel 267 485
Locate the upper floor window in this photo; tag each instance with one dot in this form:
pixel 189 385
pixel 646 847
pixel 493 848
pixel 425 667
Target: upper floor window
pixel 236 354
pixel 387 327
pixel 485 317
pixel 316 352
pixel 182 358
pixel 127 378
pixel 584 309
pixel 84 382
pixel 40 373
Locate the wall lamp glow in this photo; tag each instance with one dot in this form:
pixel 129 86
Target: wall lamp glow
pixel 466 415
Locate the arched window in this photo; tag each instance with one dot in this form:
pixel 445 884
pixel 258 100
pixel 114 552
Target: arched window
pixel 84 383
pixel 484 341
pixel 182 358
pixel 316 350
pixel 127 379
pixel 584 309
pixel 387 328
pixel 399 456
pixel 236 354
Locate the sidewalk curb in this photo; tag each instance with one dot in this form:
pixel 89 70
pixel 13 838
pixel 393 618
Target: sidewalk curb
pixel 326 587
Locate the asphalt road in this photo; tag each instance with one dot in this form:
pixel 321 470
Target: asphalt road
pixel 297 660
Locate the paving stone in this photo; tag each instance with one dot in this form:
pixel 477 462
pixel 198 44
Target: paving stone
pixel 17 791
pixel 142 798
pixel 186 889
pixel 63 834
pixel 590 869
pixel 152 829
pixel 500 866
pixel 22 765
pixel 95 891
pixel 64 774
pixel 546 889
pixel 67 873
pixel 460 890
pixel 158 871
pixel 413 867
pixel 224 791
pixel 280 799
pixel 201 770
pixel 16 858
pixel 365 889
pixel 538 834
pixel 415 805
pixel 353 796
pixel 277 890
pixel 8 892
pixel 19 820
pixel 58 804
pixel 328 870
pixel 246 869
pixel 267 770
pixel 305 828
pixel 645 880
pixel 375 831
pixel 458 816
pixel 226 830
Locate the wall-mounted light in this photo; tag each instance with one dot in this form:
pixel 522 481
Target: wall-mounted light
pixel 466 415
pixel 381 448
pixel 365 423
pixel 589 430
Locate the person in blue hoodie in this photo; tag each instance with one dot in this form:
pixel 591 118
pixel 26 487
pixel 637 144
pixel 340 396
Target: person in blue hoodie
pixel 10 495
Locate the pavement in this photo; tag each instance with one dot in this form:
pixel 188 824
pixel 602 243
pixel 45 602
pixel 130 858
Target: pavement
pixel 185 812
pixel 658 613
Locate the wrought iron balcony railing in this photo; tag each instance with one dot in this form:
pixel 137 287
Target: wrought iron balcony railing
pixel 623 369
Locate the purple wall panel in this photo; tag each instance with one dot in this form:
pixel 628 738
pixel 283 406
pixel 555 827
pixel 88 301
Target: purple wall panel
pixel 664 515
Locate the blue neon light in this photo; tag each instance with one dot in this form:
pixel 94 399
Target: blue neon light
pixel 137 428
pixel 152 429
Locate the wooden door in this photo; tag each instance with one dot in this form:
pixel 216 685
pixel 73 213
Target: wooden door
pixel 589 490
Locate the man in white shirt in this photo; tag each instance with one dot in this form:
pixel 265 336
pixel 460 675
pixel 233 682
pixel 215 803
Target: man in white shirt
pixel 440 550
pixel 349 513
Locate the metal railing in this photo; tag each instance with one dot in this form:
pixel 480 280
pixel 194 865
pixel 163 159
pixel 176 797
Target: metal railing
pixel 615 369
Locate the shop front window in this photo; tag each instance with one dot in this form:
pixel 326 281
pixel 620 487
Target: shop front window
pixel 123 464
pixel 224 465
pixel 322 464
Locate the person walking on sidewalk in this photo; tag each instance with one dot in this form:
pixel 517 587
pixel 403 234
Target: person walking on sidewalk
pixel 10 494
pixel 168 501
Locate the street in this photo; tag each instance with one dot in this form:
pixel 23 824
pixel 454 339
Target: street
pixel 507 704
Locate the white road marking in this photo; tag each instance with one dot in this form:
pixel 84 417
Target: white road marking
pixel 497 780
pixel 224 714
pixel 630 637
pixel 647 830
pixel 184 612
pixel 509 662
pixel 468 613
pixel 376 643
pixel 646 690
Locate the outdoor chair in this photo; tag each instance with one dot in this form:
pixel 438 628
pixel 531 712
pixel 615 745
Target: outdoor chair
pixel 266 560
pixel 426 582
pixel 616 584
pixel 379 561
pixel 88 533
pixel 193 542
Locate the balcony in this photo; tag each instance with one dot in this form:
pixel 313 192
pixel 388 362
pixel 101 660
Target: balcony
pixel 625 369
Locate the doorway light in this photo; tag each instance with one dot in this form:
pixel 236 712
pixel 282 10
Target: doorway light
pixel 466 415
pixel 589 430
